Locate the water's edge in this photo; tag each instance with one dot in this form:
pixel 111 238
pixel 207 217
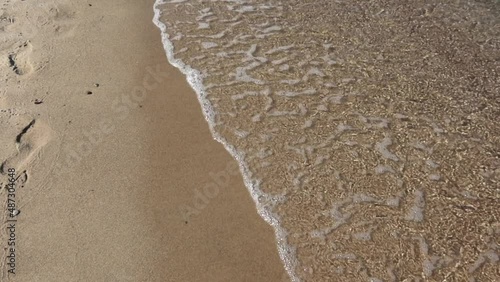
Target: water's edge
pixel 195 80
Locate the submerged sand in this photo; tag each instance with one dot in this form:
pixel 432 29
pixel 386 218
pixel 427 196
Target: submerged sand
pixel 370 129
pixel 110 147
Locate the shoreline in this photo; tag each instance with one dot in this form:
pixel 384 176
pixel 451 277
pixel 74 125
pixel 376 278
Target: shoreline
pixel 195 80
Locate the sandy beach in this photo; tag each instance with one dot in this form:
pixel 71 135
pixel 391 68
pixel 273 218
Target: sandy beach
pixel 117 175
pixel 259 140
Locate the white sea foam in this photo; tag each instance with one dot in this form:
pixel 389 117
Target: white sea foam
pixel 208 45
pixel 195 80
pixel 382 147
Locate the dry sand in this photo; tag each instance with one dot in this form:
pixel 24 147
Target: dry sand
pixel 109 145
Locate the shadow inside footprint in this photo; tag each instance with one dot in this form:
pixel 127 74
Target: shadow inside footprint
pixel 29 141
pixel 19 60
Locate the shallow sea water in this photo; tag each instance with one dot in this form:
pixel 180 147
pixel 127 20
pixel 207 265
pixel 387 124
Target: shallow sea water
pixel 367 132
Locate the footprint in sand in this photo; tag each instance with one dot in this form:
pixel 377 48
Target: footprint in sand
pixel 58 18
pixel 64 22
pixel 30 20
pixel 28 144
pixel 19 59
pixel 5 20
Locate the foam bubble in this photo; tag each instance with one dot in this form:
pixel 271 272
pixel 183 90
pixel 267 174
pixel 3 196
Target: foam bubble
pixel 195 79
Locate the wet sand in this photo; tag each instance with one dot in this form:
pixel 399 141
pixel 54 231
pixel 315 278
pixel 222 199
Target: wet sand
pixel 119 177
